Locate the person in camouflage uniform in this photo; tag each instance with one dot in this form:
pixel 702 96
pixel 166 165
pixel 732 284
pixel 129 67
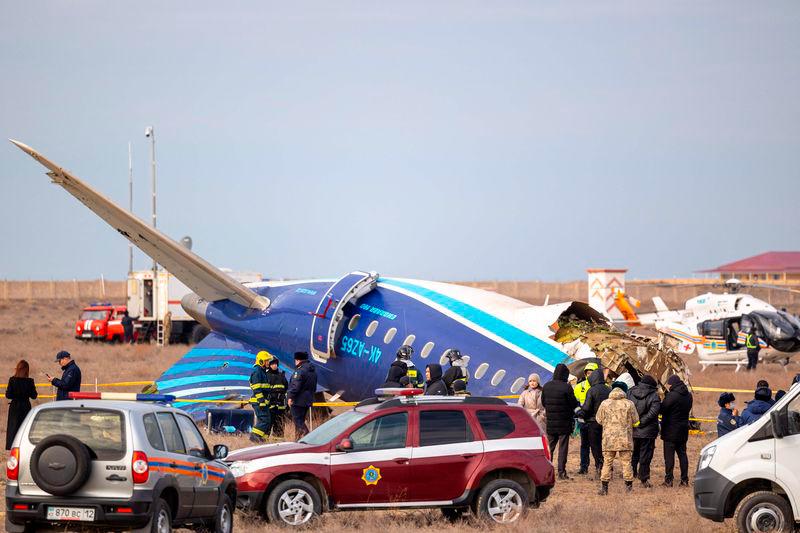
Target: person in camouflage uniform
pixel 617 415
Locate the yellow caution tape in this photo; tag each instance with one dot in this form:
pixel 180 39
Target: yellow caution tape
pixel 711 389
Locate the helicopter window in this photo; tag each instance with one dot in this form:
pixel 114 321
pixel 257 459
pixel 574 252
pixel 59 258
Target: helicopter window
pixel 409 340
pixel 426 350
pixel 712 328
pixel 498 377
pixel 517 385
pixel 353 322
pixel 389 335
pixel 481 370
pixel 371 328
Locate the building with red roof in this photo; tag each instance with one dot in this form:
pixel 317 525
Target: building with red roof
pixel 769 266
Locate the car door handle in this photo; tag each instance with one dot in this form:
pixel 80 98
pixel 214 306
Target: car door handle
pixel 401 460
pixel 468 455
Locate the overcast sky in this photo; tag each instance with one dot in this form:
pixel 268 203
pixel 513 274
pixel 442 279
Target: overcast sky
pixel 443 140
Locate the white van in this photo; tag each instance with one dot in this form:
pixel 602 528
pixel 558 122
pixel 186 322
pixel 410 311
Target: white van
pixel 753 473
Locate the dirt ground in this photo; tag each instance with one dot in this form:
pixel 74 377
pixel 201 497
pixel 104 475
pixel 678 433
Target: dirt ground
pixel 37 330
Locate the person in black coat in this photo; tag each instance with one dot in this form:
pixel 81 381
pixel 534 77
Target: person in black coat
pixel 276 397
pixel 559 404
pixel 648 404
pixel 397 370
pixel 127 327
pixel 675 411
pixel 70 380
pixel 434 384
pixel 301 392
pixel 597 393
pixel 21 390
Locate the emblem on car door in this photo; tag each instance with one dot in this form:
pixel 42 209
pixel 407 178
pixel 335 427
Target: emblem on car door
pixel 371 475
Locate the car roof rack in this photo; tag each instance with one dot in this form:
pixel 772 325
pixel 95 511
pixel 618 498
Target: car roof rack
pixel 433 400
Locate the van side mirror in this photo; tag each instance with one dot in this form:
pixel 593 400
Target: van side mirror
pixel 345 446
pixel 778 420
pixel 220 451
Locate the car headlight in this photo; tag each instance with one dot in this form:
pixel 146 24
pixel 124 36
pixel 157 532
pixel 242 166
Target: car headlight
pixel 706 457
pixel 237 469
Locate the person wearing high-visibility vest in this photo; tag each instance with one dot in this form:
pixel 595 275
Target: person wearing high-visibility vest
pixel 580 390
pixel 753 347
pixel 260 386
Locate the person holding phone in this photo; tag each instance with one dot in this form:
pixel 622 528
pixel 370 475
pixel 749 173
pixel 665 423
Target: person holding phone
pixel 70 380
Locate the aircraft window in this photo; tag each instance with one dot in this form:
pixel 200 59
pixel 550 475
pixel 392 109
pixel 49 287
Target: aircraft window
pixel 443 359
pixel 389 335
pixel 371 328
pixel 410 340
pixel 426 350
pixel 498 377
pixel 353 322
pixel 481 370
pixel 517 385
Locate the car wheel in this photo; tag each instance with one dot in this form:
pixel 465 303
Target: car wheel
pixel 453 514
pixel 60 464
pixel 293 503
pixel 223 521
pixel 503 501
pixel 762 512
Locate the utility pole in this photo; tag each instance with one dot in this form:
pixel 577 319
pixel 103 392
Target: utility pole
pixel 130 204
pixel 150 133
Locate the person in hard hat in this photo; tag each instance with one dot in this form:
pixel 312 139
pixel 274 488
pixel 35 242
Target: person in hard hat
pixel 675 410
pixel 259 385
pixel 728 418
pixel 753 347
pixel 276 396
pixel 415 377
pixel 301 392
pixel 456 372
pixel 398 369
pixel 580 391
pixel 617 414
pixel 648 404
pixel 70 380
pixel 598 392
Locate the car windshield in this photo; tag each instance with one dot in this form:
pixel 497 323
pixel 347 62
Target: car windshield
pixel 101 430
pixel 332 427
pixel 94 315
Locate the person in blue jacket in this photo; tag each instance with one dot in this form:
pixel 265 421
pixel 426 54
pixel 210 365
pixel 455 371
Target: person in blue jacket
pixel 70 380
pixel 301 392
pixel 728 418
pixel 761 403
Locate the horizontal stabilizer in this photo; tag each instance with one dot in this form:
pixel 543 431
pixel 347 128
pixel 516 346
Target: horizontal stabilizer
pixel 661 307
pixel 199 275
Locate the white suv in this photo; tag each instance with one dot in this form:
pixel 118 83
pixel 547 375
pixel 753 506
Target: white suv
pixel 117 464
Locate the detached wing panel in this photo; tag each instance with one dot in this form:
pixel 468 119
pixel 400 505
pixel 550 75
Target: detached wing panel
pixel 199 275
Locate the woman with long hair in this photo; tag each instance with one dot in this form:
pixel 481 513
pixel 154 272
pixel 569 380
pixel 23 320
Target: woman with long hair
pixel 21 390
pixel 531 400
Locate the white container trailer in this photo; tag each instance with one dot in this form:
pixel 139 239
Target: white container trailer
pixel 179 326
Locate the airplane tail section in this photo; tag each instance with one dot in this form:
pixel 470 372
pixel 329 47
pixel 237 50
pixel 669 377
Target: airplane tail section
pixel 661 307
pixel 200 276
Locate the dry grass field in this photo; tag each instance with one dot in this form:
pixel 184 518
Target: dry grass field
pixel 37 330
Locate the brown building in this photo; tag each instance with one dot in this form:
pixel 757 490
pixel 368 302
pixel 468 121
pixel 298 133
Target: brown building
pixel 781 267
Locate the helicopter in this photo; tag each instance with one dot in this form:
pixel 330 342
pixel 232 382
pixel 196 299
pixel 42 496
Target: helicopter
pixel 715 326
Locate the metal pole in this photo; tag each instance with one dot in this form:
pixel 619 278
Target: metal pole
pixel 130 203
pixel 150 132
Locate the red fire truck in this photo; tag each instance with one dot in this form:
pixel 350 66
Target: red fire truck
pixel 100 322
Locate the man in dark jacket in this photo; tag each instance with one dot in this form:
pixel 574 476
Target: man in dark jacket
pixel 276 396
pixel 301 392
pixel 728 418
pixel 760 404
pixel 597 393
pixel 675 411
pixel 127 327
pixel 456 372
pixel 559 403
pixel 397 370
pixel 434 384
pixel 648 404
pixel 70 376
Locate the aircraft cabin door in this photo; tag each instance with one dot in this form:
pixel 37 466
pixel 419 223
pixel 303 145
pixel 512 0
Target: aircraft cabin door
pixel 329 311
